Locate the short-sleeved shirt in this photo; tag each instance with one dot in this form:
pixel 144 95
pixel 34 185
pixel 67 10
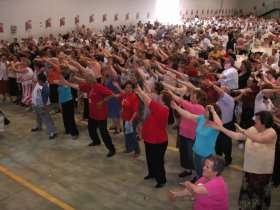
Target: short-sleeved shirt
pixel 96 94
pixel 206 138
pixel 64 94
pixel 188 127
pixel 231 79
pixel 226 103
pixel 129 104
pixel 259 158
pixel 154 128
pixel 217 198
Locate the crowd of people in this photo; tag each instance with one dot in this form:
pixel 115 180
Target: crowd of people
pixel 213 79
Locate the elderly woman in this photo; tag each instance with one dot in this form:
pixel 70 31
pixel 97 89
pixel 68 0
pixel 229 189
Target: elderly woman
pixel 210 191
pixel 129 104
pixel 155 135
pixel 206 136
pixel 260 139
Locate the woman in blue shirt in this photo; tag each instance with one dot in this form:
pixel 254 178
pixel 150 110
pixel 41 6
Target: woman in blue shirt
pixel 206 136
pixel 67 104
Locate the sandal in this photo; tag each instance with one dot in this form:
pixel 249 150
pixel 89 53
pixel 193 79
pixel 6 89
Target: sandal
pixel 117 131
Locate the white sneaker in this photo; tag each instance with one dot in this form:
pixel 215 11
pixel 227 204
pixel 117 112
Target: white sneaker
pixel 192 198
pixel 241 146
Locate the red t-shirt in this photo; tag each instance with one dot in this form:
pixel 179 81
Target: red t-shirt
pixel 154 128
pixel 96 94
pixel 129 105
pixel 192 72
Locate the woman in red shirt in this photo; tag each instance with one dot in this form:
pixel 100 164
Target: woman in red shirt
pixel 155 135
pixel 129 104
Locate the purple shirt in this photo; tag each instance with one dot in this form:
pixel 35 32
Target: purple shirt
pixel 226 104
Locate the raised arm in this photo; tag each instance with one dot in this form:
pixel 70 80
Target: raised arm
pixel 52 63
pixel 266 138
pixel 229 133
pixel 78 66
pixel 188 85
pixel 72 85
pixel 170 91
pixel 145 98
pixel 216 117
pixel 184 113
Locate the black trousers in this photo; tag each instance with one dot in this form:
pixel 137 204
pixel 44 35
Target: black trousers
pixel 102 125
pixel 246 118
pixel 69 118
pixel 224 143
pixel 86 109
pixel 155 160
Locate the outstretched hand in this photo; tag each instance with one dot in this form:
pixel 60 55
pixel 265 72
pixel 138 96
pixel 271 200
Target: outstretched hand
pixel 215 125
pixel 171 195
pixel 173 104
pixel 238 128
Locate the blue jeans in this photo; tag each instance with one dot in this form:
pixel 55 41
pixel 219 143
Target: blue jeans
pixel 198 162
pixel 131 142
pixel 44 117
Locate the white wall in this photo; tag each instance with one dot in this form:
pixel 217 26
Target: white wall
pixel 248 5
pixel 213 5
pixel 275 14
pixel 17 12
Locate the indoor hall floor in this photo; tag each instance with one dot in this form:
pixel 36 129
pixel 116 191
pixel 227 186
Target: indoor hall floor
pixel 41 174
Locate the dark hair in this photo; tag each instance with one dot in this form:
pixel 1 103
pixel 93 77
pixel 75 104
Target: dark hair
pixel 272 72
pixel 247 64
pixel 266 118
pixel 201 97
pixel 217 110
pixel 166 98
pixel 129 83
pixel 159 87
pixel 42 77
pixel 218 163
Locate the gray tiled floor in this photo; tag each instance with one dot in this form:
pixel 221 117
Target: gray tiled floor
pixel 83 177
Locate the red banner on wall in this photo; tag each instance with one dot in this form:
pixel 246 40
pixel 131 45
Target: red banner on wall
pixel 1 27
pixel 62 22
pixel 13 29
pixel 116 17
pixel 91 19
pixel 127 16
pixel 48 23
pixel 104 17
pixel 28 25
pixel 77 19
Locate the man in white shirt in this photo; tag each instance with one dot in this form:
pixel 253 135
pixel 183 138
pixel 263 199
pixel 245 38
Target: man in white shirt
pixel 229 76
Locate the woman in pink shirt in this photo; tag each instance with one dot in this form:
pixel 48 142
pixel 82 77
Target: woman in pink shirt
pixel 210 191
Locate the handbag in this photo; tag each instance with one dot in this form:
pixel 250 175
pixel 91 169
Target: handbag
pixel 6 121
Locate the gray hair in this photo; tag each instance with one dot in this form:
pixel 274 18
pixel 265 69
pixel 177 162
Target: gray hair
pixel 218 163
